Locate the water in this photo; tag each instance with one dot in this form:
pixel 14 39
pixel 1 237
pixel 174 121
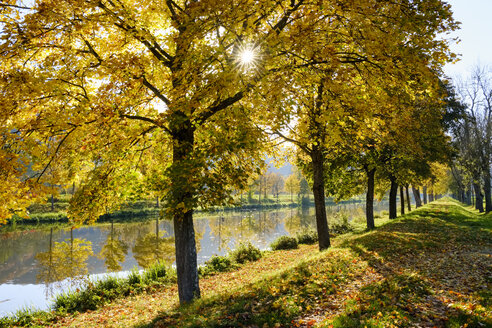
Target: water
pixel 35 265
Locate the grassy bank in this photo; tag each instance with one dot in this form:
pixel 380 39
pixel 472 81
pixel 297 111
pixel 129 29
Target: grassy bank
pixel 432 267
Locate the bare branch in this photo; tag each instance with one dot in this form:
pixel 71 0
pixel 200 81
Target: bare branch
pixel 56 152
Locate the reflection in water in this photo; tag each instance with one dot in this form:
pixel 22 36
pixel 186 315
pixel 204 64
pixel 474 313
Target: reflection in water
pixel 114 251
pixel 299 221
pixel 151 248
pixel 223 232
pixel 66 259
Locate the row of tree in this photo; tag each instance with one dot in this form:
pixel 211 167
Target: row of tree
pixel 471 131
pixel 184 99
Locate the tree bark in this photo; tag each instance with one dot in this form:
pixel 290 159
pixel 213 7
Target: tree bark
pixel 409 204
pixel 370 199
pixel 478 197
pixel 416 195
pixel 467 194
pixel 424 193
pixel 472 195
pixel 392 198
pixel 487 190
pixel 402 201
pixel 182 192
pixel 317 158
pixel 186 259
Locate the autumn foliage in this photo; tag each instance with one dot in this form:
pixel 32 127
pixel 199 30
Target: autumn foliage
pixel 136 98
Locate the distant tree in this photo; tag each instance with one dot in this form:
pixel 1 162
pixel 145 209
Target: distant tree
pixel 276 182
pixel 292 185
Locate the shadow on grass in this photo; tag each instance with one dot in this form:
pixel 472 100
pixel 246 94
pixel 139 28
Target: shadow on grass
pixel 443 246
pixel 274 301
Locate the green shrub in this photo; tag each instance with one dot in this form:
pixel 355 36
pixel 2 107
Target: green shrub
pixel 284 242
pixel 155 272
pixel 103 291
pixel 341 224
pixel 27 318
pixel 244 253
pixel 134 278
pixel 308 237
pixel 341 228
pixel 216 264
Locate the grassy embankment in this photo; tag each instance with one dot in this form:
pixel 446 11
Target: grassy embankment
pixel 432 267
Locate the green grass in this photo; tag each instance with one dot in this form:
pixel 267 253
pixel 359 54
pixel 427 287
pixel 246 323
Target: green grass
pixel 275 300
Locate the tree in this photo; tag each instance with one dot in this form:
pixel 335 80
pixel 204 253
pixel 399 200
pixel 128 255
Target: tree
pixel 352 93
pixel 119 83
pixel 276 183
pixel 292 185
pixel 473 134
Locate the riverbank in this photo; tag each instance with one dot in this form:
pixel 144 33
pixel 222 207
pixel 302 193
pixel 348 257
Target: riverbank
pixel 42 218
pixel 432 267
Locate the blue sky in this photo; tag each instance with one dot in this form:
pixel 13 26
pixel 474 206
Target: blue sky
pixel 475 46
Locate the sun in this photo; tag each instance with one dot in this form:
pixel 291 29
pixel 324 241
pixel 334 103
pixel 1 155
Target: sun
pixel 247 58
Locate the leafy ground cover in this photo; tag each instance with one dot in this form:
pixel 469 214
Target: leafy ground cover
pixel 430 268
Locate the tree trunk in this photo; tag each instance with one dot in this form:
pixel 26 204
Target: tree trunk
pixel 392 198
pixel 409 205
pixel 467 194
pixel 478 197
pixel 402 201
pixel 182 193
pixel 186 259
pixel 370 199
pixel 424 192
pixel 157 202
pixel 487 190
pixel 472 194
pixel 317 158
pixel 52 203
pixel 416 195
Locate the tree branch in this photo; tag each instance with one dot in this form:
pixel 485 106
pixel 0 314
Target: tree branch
pixel 156 91
pixel 145 119
pixel 294 141
pixel 151 45
pixel 54 155
pixel 220 105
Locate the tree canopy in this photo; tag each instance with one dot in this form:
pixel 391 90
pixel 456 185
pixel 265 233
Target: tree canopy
pixel 173 97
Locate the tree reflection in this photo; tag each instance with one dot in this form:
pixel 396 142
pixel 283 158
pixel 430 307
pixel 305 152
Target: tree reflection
pixel 66 259
pixel 114 251
pixel 223 231
pixel 299 221
pixel 151 248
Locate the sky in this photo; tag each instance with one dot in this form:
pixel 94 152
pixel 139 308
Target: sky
pixel 475 33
